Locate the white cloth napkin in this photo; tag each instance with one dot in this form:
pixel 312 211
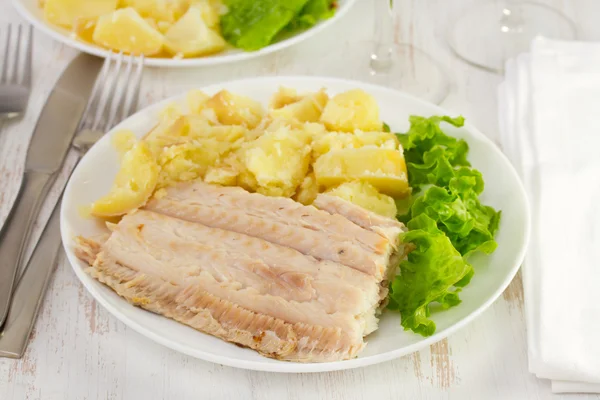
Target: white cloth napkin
pixel 550 125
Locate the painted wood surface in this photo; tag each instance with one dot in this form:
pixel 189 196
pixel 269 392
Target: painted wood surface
pixel 79 351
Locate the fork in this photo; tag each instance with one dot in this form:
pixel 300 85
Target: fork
pixel 15 79
pixel 114 97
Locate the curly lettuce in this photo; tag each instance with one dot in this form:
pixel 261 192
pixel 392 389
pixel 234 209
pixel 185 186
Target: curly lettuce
pixel 446 219
pixel 433 272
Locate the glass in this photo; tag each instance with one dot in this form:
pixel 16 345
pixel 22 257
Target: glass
pixel 488 34
pixel 383 62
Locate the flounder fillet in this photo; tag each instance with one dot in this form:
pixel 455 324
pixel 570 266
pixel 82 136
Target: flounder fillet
pixel 290 281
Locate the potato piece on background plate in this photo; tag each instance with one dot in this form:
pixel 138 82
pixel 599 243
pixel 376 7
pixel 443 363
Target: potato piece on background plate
pixel 365 195
pixel 125 30
pixel 67 12
pixel 159 10
pixel 351 110
pixel 209 12
pixel 133 186
pixel 232 109
pixel 385 169
pixel 190 36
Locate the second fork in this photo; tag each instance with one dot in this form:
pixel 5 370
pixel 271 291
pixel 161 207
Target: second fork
pixel 15 72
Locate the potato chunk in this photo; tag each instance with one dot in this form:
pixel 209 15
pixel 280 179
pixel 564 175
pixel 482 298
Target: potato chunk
pixel 186 162
pixel 232 109
pixel 339 140
pixel 191 36
pixel 68 12
pixel 365 195
pixel 308 190
pixel 276 163
pixel 159 10
pixel 196 101
pixel 351 110
pixel 133 185
pixel 198 152
pixel 307 108
pixel 125 30
pixel 385 169
pixel 221 175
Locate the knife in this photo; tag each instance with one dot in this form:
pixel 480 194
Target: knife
pixel 49 145
pixel 29 293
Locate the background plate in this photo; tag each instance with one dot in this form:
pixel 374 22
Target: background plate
pixel 94 175
pixel 31 11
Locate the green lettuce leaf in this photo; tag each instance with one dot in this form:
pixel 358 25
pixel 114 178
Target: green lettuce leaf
pixel 433 272
pixel 252 24
pixel 313 12
pixel 458 212
pixel 446 219
pixel 430 154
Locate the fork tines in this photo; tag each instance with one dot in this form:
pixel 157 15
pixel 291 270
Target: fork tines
pixel 17 42
pixel 115 94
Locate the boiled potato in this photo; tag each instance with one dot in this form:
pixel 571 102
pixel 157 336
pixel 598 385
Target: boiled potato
pixel 308 190
pixel 199 128
pixel 209 12
pixel 385 169
pixel 306 109
pixel 67 12
pixel 221 175
pixel 159 10
pixel 333 141
pixel 186 162
pixel 352 110
pixel 163 26
pixel 123 141
pixel 196 100
pixel 190 36
pixel 167 133
pixel 339 140
pixel 133 186
pixel 385 140
pixel 363 194
pixel 283 97
pixel 276 161
pixel 170 113
pixel 232 109
pixel 125 30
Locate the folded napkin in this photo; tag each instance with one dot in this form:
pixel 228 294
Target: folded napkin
pixel 550 126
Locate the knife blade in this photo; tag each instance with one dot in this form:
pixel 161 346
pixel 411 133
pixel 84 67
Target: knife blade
pixel 50 142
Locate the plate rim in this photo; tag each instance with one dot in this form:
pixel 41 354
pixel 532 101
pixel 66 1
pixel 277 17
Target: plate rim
pixel 295 367
pixel 212 60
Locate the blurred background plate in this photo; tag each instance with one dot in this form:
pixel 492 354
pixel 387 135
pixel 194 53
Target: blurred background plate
pixel 32 12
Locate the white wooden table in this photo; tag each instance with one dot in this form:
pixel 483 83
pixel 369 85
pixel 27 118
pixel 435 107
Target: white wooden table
pixel 79 351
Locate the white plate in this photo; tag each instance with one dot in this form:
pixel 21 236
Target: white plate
pixel 31 11
pixel 93 178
